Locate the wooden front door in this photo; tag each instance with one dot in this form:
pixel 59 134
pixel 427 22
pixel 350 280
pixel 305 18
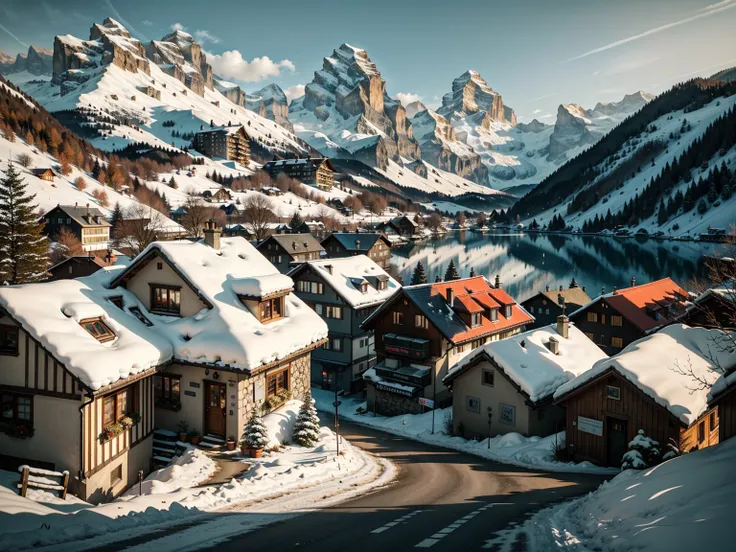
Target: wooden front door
pixel 215 408
pixel 616 440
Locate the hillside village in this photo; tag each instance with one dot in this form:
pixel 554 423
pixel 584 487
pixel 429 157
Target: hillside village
pixel 200 282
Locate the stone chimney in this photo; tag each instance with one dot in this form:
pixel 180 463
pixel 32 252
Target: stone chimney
pixel 212 234
pixel 573 283
pixel 498 281
pixel 450 295
pixel 603 290
pixel 554 346
pixel 563 326
pixel 560 289
pixel 328 268
pixel 110 257
pixel 633 281
pixel 546 288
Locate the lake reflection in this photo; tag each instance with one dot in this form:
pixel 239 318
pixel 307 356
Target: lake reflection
pixel 529 262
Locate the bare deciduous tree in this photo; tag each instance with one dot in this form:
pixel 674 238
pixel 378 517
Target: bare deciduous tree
pixel 196 213
pixel 258 212
pixel 67 245
pixel 434 222
pixel 24 160
pixel 141 226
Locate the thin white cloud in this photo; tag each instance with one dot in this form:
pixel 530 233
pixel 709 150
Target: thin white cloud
pixel 407 97
pixel 147 23
pixel 536 111
pixel 203 37
pixel 18 40
pixel 177 27
pixel 541 97
pixel 705 12
pixel 127 25
pixel 232 65
pixel 294 92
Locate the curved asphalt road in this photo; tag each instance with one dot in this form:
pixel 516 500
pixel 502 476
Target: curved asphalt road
pixel 441 500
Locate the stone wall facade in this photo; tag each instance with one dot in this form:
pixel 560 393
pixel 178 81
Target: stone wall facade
pixel 390 404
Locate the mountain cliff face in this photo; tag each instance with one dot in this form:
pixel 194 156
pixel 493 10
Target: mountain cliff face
pixel 37 61
pixel 270 102
pixel 346 109
pixel 179 55
pixel 471 95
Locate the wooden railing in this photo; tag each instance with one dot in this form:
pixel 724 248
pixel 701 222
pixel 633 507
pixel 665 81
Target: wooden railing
pixel 45 480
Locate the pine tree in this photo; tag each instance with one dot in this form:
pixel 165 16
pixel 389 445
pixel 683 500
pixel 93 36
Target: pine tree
pixel 451 273
pixel 24 250
pixel 643 452
pixel 296 222
pixel 255 434
pixel 419 276
pixel 115 219
pixel 306 427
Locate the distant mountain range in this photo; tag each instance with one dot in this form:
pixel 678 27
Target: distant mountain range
pixel 37 61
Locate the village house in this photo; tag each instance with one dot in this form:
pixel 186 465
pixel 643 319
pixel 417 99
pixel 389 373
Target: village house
pixel 722 396
pixel 314 171
pixel 424 329
pixel 402 226
pixel 229 142
pixel 344 292
pixel 712 308
pixel 614 320
pixel 513 381
pixel 44 174
pixel 547 305
pixel 652 385
pixel 79 266
pixel 348 244
pixel 205 333
pixel 87 223
pixel 282 250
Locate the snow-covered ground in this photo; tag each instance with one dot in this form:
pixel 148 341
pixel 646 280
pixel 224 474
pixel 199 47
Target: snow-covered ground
pixel 309 477
pixel 682 504
pixel 512 448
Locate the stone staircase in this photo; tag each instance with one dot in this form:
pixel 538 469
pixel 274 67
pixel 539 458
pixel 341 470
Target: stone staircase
pixel 211 443
pixel 165 447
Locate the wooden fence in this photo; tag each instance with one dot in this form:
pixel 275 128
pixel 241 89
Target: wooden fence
pixel 45 480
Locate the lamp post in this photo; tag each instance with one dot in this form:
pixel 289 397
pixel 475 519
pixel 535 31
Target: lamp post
pixel 490 417
pixel 337 404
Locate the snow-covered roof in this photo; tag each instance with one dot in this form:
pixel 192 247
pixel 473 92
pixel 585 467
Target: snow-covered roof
pixel 227 333
pixel 662 366
pixel 356 241
pixel 50 312
pixel 528 361
pixel 345 276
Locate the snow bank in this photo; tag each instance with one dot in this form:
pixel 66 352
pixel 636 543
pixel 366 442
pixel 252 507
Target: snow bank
pixel 187 470
pixel 280 423
pixel 682 504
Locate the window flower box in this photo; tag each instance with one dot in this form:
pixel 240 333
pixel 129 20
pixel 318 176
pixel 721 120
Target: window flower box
pixel 125 423
pixel 275 401
pixel 19 430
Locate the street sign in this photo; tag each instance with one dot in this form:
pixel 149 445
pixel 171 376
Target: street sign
pixel 429 403
pixel 589 425
pixel 336 403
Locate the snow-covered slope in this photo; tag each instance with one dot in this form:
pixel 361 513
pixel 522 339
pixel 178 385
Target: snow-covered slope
pixel 676 138
pixel 682 504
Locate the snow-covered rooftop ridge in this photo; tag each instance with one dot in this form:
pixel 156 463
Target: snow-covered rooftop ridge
pixel 529 362
pixel 346 274
pixel 664 366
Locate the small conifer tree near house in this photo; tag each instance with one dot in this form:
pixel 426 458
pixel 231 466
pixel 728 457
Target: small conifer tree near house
pixel 255 435
pixel 643 452
pixel 24 250
pixel 306 427
pixel 451 273
pixel 419 276
pixel 296 222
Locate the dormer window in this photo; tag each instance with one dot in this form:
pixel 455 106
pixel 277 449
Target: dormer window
pixel 475 319
pixel 364 287
pixel 382 284
pixel 507 311
pixel 166 299
pixel 98 329
pixel 494 315
pixel 271 309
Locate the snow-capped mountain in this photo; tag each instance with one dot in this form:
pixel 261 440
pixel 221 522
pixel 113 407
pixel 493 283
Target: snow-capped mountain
pixel 668 168
pixel 37 61
pixel 270 102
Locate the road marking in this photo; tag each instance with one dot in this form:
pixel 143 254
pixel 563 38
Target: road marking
pixel 397 521
pixel 434 539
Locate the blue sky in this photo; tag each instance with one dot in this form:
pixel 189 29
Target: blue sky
pixel 536 53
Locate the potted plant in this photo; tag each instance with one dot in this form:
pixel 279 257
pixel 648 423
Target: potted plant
pixel 230 443
pixel 183 431
pixel 255 437
pixel 194 437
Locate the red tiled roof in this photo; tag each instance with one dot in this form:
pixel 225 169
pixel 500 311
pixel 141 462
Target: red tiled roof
pixel 633 302
pixel 467 303
pixel 486 300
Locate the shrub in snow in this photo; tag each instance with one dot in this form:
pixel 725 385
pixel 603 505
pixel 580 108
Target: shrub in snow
pixel 643 453
pixel 306 427
pixel 255 434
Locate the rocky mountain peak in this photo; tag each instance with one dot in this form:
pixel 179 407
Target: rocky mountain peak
pixel 471 94
pixel 179 55
pixel 413 108
pixel 37 61
pixel 270 102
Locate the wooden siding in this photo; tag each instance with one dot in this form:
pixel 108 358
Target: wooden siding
pixel 97 454
pixel 727 413
pixel 689 439
pixel 604 332
pixel 638 410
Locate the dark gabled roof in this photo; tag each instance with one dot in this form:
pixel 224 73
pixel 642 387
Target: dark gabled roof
pixel 41 172
pixel 80 259
pixel 314 162
pixel 354 241
pixel 295 243
pixel 397 220
pixel 84 216
pixel 574 297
